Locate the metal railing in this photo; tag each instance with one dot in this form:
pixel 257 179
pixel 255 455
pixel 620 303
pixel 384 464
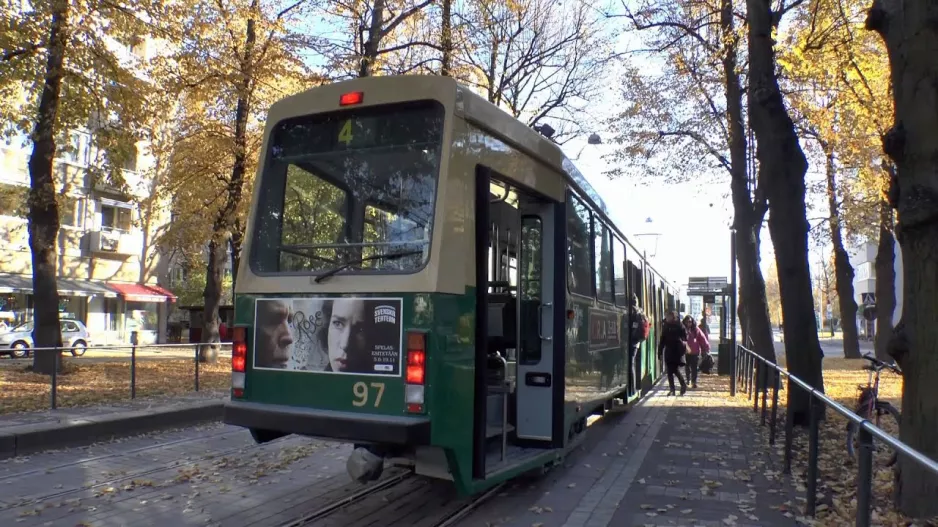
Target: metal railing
pixel 133 348
pixel 751 374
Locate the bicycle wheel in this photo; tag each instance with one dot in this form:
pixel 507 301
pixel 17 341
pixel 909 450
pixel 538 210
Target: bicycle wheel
pixel 883 409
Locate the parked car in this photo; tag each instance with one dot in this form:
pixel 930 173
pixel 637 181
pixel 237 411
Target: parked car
pixel 18 341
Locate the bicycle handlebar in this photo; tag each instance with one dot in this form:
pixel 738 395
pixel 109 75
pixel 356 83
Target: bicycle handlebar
pixel 881 364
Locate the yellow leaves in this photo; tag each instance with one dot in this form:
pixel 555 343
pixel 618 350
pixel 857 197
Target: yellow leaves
pixel 94 383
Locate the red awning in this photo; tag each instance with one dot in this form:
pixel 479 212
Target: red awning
pixel 143 293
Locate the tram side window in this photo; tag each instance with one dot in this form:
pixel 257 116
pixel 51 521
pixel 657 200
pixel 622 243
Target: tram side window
pixel 312 206
pixel 579 270
pixel 603 252
pixel 530 274
pixel 635 283
pixel 620 281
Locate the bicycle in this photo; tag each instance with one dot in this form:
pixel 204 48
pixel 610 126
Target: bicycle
pixel 870 407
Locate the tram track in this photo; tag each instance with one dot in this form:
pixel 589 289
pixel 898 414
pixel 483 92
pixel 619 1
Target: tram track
pixel 402 499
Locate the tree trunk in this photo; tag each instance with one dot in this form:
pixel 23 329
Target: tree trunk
pixel 843 271
pixel 43 210
pixel 885 281
pixel 236 242
pixel 372 45
pixel 782 167
pixel 446 39
pixel 910 32
pixel 748 216
pixel 226 220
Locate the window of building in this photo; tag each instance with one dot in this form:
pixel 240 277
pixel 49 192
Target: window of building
pixel 602 248
pixel 141 316
pixel 620 284
pixel 579 266
pixel 110 314
pixel 76 149
pixel 130 163
pixel 115 216
pixel 70 211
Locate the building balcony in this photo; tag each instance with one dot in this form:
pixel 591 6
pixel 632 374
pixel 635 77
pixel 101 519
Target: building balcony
pixel 116 243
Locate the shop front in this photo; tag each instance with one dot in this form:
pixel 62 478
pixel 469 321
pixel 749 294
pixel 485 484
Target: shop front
pixel 76 299
pixel 144 310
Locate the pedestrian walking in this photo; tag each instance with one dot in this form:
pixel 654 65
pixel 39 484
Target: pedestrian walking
pixel 699 344
pixel 672 347
pixel 704 326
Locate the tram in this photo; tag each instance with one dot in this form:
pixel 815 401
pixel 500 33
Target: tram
pixel 429 279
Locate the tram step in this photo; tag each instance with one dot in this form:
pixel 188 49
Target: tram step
pixel 496 430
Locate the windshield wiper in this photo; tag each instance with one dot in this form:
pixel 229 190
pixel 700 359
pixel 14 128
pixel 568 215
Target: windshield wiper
pixel 389 256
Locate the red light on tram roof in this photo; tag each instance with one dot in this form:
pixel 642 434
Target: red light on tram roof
pixel 355 97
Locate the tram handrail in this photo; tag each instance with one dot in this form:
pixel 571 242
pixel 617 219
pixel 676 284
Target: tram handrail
pixel 750 367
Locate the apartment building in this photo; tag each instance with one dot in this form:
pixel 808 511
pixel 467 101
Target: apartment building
pixel 108 263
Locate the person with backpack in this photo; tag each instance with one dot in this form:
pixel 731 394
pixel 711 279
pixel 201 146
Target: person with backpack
pixel 699 344
pixel 639 327
pixel 672 347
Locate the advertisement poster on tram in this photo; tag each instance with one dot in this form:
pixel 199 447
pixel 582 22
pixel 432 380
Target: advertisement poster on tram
pixel 361 336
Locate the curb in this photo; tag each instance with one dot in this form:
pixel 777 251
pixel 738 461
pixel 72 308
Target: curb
pixel 81 431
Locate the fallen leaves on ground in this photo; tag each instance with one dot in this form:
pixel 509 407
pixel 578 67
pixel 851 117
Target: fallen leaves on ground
pixel 837 471
pixel 95 383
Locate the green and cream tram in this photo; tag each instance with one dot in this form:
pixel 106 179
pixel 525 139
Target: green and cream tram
pixel 428 278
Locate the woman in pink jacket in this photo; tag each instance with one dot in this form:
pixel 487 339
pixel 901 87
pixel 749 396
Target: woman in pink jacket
pixel 698 343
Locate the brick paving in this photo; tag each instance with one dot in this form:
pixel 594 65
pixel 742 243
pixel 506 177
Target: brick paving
pixel 696 460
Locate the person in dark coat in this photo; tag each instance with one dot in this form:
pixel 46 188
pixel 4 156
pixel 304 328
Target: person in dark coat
pixel 672 346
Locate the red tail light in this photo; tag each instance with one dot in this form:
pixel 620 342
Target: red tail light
pixel 416 358
pixel 416 373
pixel 239 350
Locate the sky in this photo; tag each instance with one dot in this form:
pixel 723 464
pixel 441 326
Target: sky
pixel 689 222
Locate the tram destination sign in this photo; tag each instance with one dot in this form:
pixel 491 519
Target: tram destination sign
pixel 706 285
pixel 360 336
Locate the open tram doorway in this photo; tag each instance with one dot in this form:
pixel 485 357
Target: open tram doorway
pixel 519 323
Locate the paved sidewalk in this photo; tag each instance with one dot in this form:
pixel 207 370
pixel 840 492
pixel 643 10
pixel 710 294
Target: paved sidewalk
pixel 700 459
pixel 27 432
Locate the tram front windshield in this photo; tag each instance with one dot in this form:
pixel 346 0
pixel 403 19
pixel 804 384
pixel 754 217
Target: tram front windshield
pixel 350 191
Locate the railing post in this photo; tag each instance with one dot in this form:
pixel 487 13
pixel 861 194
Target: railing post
pixel 789 429
pixel 815 419
pixel 133 364
pixel 776 380
pixel 55 376
pixel 765 390
pixel 865 478
pixel 734 360
pixel 196 367
pixel 755 384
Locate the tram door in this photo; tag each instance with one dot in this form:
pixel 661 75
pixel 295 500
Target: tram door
pixel 517 387
pixel 536 376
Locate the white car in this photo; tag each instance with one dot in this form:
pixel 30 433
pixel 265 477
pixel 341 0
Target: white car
pixel 18 341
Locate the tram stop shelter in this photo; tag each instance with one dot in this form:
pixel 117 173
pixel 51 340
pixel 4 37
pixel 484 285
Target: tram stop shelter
pixel 709 296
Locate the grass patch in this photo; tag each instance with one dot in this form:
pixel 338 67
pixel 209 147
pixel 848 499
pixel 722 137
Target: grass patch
pixel 99 383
